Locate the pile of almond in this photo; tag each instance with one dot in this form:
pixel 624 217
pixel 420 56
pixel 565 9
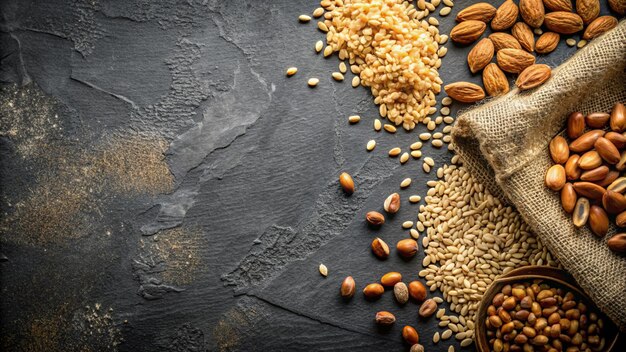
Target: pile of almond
pixel 589 171
pixel 513 42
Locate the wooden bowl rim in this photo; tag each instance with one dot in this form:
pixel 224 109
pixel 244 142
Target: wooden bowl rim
pixel 533 272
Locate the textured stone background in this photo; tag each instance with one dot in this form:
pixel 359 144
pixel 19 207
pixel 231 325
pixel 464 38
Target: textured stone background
pixel 107 244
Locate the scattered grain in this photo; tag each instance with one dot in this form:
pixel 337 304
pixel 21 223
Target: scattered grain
pixel 445 11
pixel 356 81
pixel 304 18
pixel 389 128
pixel 405 183
pixel 404 157
pixel 312 82
pixel 570 41
pixel 323 270
pixel 377 125
pixel 407 224
pixel 437 143
pixel 416 154
pixel 337 76
pixel 393 152
pixel 415 199
pixel 425 136
pixel 318 12
pixel 319 45
pixel 371 145
pixel 292 71
pixel 445 111
pixel 581 43
pixel 342 67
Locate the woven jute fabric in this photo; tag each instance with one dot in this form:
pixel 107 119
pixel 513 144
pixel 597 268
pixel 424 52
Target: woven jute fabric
pixel 504 144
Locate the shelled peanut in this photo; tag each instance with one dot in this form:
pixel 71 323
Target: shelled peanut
pixel 539 317
pixel 589 171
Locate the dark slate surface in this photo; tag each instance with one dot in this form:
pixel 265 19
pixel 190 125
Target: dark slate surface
pixel 222 253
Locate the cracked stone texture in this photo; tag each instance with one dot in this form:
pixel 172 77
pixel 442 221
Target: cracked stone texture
pixel 228 259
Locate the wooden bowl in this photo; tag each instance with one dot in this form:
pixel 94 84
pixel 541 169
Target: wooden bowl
pixel 556 277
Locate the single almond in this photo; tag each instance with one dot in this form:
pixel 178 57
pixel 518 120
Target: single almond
pixel 597 119
pixel 597 174
pixel 428 308
pixel 417 291
pixel 618 118
pixel 503 40
pixel 547 42
pixel 495 81
pixel 590 160
pixel 524 35
pixel 598 221
pixel 481 11
pixel 563 22
pixel 568 198
pixel 533 76
pixel 410 335
pixel 407 247
pixel 614 202
pixel 346 182
pixel 348 287
pixel 401 292
pixel 555 177
pixel 506 16
pixel 480 55
pixel 600 26
pixel 585 141
pixel 618 6
pixel 580 214
pixel 589 190
pixel 375 218
pixel 558 5
pixel 385 318
pixel 607 150
pixel 467 32
pixel 617 243
pixel 618 139
pixel 572 171
pixel 514 60
pixel 575 125
pixel 464 92
pixel 532 12
pixel 380 248
pixel 392 203
pixel 559 151
pixel 373 291
pixel 588 10
pixel 391 278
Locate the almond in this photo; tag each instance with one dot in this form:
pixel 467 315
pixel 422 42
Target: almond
pixel 505 17
pixel 618 6
pixel 464 92
pixel 481 11
pixel 568 198
pixel 555 177
pixel 614 202
pixel 348 287
pixel 480 55
pixel 581 212
pixel 563 22
pixel 618 118
pixel 597 174
pixel 575 125
pixel 597 119
pixel 588 10
pixel 503 40
pixel 617 243
pixel 409 334
pixel 585 141
pixel 391 278
pixel 417 291
pixel 589 190
pixel 346 182
pixel 392 203
pixel 618 139
pixel 532 12
pixel 599 26
pixel 495 80
pixel 407 247
pixel 598 221
pixel 514 60
pixel 385 318
pixel 467 32
pixel 607 150
pixel 524 35
pixel 572 171
pixel 533 76
pixel 375 218
pixel 380 248
pixel 590 160
pixel 373 291
pixel 559 151
pixel 558 5
pixel 547 42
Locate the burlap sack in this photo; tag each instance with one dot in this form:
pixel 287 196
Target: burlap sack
pixel 504 144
